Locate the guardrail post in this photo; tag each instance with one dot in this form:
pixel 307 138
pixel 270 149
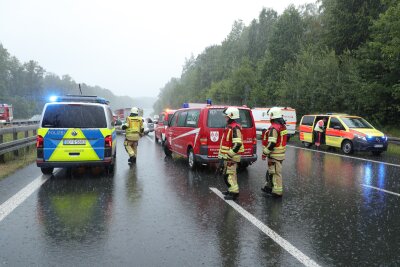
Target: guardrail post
pixel 1 156
pixel 27 147
pixel 15 137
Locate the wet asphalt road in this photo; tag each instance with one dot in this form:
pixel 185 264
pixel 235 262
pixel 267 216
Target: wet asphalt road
pixel 158 213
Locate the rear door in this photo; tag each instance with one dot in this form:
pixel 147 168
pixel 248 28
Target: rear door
pixel 289 115
pixel 73 132
pixel 248 132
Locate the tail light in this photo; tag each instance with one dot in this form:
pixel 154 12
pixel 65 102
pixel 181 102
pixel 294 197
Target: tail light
pixel 254 141
pixel 203 141
pixel 108 141
pixel 39 141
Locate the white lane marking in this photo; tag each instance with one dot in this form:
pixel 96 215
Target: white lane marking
pixel 391 164
pixel 300 256
pixel 151 139
pixel 380 189
pixel 12 203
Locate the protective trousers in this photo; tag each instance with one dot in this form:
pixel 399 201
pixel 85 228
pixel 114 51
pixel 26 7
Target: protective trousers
pixel 274 176
pixel 131 147
pixel 230 176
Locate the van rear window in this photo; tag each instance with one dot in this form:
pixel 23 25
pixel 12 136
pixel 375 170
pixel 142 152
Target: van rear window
pixel 74 116
pixel 216 118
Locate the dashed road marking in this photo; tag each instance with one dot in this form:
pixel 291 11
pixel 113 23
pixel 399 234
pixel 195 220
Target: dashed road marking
pixel 380 189
pixel 300 256
pixel 12 203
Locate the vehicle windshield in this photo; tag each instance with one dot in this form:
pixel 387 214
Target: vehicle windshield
pixel 216 118
pixel 1 110
pixel 356 123
pixel 74 116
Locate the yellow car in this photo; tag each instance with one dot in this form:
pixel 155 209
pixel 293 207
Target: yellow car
pixel 76 131
pixel 349 133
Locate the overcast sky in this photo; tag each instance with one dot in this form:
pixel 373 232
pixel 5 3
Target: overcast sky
pixel 130 47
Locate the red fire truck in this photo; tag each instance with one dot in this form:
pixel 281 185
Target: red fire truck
pixel 6 113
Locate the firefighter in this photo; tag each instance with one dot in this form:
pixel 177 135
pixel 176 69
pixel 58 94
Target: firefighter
pixel 230 149
pixel 274 148
pixel 133 131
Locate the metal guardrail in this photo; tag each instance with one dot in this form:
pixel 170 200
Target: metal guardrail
pixel 16 143
pixel 394 140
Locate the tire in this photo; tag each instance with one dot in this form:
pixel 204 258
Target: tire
pixel 347 147
pixel 155 138
pixel 243 165
pixel 47 170
pixel 377 153
pixel 110 168
pixel 167 151
pixel 191 159
pixel 306 144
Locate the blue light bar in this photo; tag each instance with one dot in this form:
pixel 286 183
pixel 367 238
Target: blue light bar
pixel 185 105
pixel 209 102
pixel 53 98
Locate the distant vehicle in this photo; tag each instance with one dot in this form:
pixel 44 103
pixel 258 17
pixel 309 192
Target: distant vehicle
pixel 123 113
pixel 155 118
pixel 261 119
pixel 36 117
pixel 150 124
pixel 162 124
pixel 6 113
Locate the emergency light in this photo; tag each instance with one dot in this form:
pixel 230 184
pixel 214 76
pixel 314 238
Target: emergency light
pixel 185 105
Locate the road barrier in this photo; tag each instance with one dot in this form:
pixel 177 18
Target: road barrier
pixel 16 143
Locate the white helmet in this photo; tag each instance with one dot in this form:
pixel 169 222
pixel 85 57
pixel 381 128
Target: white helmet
pixel 275 113
pixel 232 113
pixel 135 110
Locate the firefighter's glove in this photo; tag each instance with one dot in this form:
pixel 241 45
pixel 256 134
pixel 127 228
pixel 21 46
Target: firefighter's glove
pixel 231 154
pixel 124 127
pixel 266 152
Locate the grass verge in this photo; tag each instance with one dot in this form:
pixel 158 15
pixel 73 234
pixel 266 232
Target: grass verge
pixel 12 164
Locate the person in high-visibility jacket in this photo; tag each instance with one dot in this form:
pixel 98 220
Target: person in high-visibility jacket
pixel 231 148
pixel 133 131
pixel 274 148
pixel 319 131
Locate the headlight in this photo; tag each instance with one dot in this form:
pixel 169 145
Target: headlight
pixel 360 137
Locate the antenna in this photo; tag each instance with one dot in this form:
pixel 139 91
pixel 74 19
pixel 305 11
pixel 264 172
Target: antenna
pixel 80 88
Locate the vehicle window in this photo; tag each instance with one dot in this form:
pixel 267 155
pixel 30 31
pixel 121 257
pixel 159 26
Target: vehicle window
pixel 356 123
pixel 335 122
pixel 182 118
pixel 173 120
pixel 149 120
pixel 74 116
pixel 161 118
pixel 192 118
pixel 1 110
pixel 216 118
pixel 308 120
pixel 110 116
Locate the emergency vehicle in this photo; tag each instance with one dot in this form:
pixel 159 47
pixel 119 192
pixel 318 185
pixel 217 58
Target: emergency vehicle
pixel 6 113
pixel 349 133
pixel 195 133
pixel 162 124
pixel 76 131
pixel 262 121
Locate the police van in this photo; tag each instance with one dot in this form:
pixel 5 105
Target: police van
pixel 76 131
pixel 195 132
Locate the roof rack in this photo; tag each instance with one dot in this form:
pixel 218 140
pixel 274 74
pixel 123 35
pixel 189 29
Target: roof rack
pixel 334 113
pixel 80 98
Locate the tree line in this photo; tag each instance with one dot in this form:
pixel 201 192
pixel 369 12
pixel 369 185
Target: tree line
pixel 27 86
pixel 331 56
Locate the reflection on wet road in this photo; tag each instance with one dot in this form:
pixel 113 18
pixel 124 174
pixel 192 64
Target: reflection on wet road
pixel 335 211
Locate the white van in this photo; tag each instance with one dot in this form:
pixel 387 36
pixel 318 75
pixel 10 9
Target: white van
pixel 261 119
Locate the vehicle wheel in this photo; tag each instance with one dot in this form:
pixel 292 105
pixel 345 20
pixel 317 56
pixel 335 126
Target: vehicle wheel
pixel 347 147
pixel 243 165
pixel 155 138
pixel 191 160
pixel 167 151
pixel 377 153
pixel 110 168
pixel 162 140
pixel 47 170
pixel 306 144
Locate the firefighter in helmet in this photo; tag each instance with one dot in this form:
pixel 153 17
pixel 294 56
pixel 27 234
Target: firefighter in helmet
pixel 230 149
pixel 274 148
pixel 133 131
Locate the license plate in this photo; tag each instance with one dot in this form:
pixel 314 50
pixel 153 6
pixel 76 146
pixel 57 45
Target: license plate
pixel 74 142
pixel 378 145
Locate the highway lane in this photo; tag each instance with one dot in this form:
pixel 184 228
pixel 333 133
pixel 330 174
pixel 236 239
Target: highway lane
pixel 334 212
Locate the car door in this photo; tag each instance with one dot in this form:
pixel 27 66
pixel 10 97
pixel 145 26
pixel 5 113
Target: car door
pixel 334 132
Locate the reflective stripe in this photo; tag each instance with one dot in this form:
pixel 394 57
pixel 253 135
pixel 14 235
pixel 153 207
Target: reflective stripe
pixel 228 134
pixel 237 140
pixel 272 139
